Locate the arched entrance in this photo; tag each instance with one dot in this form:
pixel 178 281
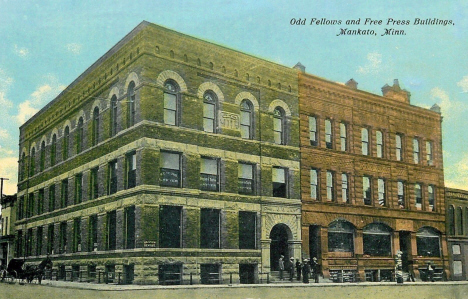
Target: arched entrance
pixel 280 235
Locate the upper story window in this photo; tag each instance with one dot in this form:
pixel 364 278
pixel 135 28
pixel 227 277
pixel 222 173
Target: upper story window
pixel 401 194
pixel 78 188
pixel 66 143
pixel 64 194
pixel 113 118
pixel 399 147
pixel 278 125
pixel 95 126
pixel 459 221
pixel 418 195
pixel 380 144
pixel 131 104
pixel 53 150
pixel 32 162
pixel 22 170
pixel 431 197
pixel 209 111
pixel 343 136
pixel 130 167
pixel 112 177
pixel 366 190
pixel 451 220
pixel 42 157
pixel 170 169
pixel 381 191
pixel 416 150
pixel 313 130
pixel 171 103
pixel 51 198
pixel 209 174
pixel 314 184
pixel 328 134
pixel 365 141
pixel 246 119
pixel 279 180
pixel 93 183
pixel 429 156
pixel 79 136
pixel 246 178
pixel 330 186
pixel 344 188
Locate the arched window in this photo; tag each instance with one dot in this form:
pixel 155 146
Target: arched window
pixel 32 162
pixel 131 104
pixel 66 143
pixel 53 150
pixel 113 118
pixel 278 125
pixel 209 112
pixel 171 103
pixel 79 136
pixel 96 126
pixel 459 221
pixel 341 236
pixel 42 157
pixel 451 220
pixel 377 239
pixel 428 242
pixel 246 121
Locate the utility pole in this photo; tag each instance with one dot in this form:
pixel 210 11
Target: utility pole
pixel 1 188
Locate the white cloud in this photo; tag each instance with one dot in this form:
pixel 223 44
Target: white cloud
pixel 21 52
pixel 74 48
pixel 463 83
pixel 450 108
pixel 456 175
pixel 25 111
pixel 4 134
pixel 373 64
pixel 5 81
pixel 9 169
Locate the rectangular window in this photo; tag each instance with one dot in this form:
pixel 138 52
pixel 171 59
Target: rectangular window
pixel 313 130
pixel 170 274
pixel 129 227
pixel 381 191
pixel 111 230
pixel 112 177
pixel 246 178
pixel 170 108
pixel 209 174
pixel 92 233
pixel 94 184
pixel 401 194
pixel 344 188
pixel 210 274
pixel 429 157
pixel 314 184
pixel 247 230
pixel 63 237
pixel 380 144
pixel 343 136
pixel 328 134
pixel 40 202
pixel 130 166
pixel 29 237
pixel 50 239
pixel 279 182
pixel 431 197
pixel 39 236
pixel 418 195
pixel 30 206
pixel 170 169
pixel 330 186
pixel 78 188
pixel 210 228
pixel 77 235
pixel 170 227
pixel 365 141
pixel 20 207
pixel 366 190
pixel 415 150
pixel 399 147
pixel 64 194
pixel 209 117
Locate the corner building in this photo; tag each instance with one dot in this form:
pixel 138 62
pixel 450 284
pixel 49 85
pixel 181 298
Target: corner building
pixel 170 159
pixel 372 181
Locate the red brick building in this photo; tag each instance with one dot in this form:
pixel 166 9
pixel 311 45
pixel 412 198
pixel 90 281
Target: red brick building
pixel 372 181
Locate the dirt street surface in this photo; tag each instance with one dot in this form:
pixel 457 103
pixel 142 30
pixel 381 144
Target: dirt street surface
pixel 72 290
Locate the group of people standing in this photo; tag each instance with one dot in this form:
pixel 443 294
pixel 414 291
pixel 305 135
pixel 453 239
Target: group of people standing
pixel 305 269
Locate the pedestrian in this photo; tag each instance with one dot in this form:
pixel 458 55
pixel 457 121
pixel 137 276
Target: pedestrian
pixel 410 271
pixel 291 269
pixel 298 269
pixel 430 272
pixel 281 266
pixel 305 271
pixel 315 269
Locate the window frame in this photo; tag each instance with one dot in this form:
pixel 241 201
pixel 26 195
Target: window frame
pixel 313 130
pixel 164 171
pixel 243 180
pixel 131 99
pixel 95 126
pixel 314 183
pixel 345 187
pixel 172 89
pixel 343 136
pixel 367 193
pixel 330 182
pixel 328 133
pixel 79 135
pixel 279 186
pixel 381 191
pixel 416 150
pixel 279 126
pixel 130 170
pixel 206 178
pixel 399 146
pixel 246 108
pixel 379 144
pixel 418 200
pixel 112 177
pixel 401 196
pixel 113 116
pixel 210 99
pixel 365 141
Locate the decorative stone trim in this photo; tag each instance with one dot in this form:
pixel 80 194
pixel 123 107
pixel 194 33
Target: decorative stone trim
pixel 168 74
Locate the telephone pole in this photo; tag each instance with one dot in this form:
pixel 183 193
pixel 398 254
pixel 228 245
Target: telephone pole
pixel 1 188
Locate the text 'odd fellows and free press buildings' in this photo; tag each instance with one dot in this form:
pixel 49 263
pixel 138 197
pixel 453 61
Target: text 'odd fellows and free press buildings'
pixel 172 160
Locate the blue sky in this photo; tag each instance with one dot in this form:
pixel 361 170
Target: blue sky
pixel 46 44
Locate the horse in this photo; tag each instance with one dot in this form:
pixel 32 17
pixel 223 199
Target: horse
pixel 17 270
pixel 33 271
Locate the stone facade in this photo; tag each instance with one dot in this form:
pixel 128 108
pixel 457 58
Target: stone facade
pixel 164 126
pixel 457 232
pixel 372 181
